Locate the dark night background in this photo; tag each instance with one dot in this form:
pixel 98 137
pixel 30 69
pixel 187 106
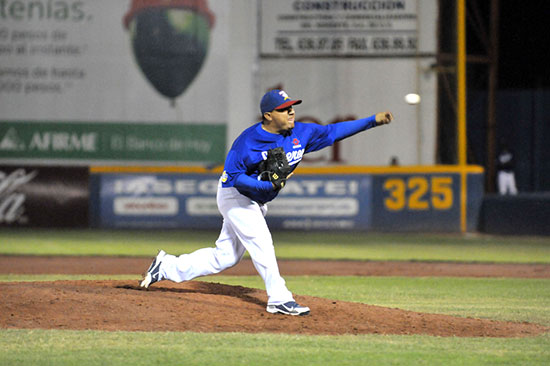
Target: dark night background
pixel 523 47
pixel 523 43
pixel 522 99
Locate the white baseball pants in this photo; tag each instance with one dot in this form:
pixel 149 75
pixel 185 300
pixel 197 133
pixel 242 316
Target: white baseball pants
pixel 507 183
pixel 244 228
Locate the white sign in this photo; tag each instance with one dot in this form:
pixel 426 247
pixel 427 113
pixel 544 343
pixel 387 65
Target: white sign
pixel 146 206
pixel 344 28
pixel 99 61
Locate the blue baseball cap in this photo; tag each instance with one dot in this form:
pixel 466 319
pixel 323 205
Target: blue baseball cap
pixel 276 99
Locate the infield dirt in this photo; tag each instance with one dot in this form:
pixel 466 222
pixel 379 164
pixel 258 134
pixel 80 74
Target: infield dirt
pixel 212 307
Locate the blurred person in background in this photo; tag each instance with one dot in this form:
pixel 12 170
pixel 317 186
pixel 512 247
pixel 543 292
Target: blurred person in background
pixel 506 179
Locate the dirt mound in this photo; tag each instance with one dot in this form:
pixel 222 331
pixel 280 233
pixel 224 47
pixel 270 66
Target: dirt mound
pixel 209 307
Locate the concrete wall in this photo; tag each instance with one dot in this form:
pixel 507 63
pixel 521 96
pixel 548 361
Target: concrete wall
pixel 102 81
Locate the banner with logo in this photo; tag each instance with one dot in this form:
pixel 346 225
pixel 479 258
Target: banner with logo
pixel 189 201
pixel 151 74
pixel 113 141
pixel 33 196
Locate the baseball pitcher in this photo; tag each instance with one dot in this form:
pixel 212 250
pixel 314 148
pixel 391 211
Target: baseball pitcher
pixel 256 168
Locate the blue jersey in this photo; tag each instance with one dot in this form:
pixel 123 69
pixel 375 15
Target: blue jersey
pixel 250 148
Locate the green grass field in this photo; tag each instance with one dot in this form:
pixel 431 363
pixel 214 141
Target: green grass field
pixel 493 298
pixel 299 245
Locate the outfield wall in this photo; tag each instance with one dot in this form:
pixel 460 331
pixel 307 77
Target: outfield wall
pixel 522 214
pixel 392 199
pixel 40 196
pixel 403 199
pixel 381 199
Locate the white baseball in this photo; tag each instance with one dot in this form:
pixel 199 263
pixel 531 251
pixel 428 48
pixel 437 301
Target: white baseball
pixel 412 98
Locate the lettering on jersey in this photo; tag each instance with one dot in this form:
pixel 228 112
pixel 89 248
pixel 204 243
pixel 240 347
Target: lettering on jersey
pixel 296 143
pixel 293 157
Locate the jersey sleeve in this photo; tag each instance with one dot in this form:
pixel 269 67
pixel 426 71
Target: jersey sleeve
pixel 246 183
pixel 323 136
pixel 233 167
pixel 236 174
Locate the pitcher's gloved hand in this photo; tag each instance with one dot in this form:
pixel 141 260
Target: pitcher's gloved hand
pixel 275 168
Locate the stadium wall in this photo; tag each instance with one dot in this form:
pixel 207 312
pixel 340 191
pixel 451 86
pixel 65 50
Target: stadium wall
pixel 524 214
pixel 383 199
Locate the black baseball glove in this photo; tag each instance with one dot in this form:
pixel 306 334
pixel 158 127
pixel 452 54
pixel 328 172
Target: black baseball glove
pixel 275 168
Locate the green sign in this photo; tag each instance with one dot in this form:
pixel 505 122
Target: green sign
pixel 124 142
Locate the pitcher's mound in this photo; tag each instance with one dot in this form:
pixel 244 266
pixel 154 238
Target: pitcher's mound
pixel 209 307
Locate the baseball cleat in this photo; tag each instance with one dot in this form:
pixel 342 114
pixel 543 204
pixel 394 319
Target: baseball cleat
pixel 153 273
pixel 288 308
